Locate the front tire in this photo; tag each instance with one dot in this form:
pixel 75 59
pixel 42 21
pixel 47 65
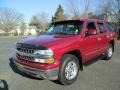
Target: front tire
pixel 69 69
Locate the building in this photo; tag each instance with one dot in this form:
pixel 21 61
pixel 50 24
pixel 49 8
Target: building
pixel 30 30
pixel 2 32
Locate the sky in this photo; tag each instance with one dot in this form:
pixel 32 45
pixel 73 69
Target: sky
pixel 33 7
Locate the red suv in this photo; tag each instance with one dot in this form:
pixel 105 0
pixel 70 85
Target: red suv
pixel 62 51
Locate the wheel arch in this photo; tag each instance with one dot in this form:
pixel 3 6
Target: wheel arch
pixel 78 54
pixel 113 43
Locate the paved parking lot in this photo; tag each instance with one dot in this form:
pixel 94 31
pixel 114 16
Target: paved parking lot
pixel 100 75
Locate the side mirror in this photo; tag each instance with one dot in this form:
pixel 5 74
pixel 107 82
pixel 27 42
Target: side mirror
pixel 92 32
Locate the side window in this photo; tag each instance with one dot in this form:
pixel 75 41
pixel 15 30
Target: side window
pixel 102 28
pixel 110 27
pixel 90 25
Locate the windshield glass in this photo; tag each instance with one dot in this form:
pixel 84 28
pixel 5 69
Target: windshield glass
pixel 66 28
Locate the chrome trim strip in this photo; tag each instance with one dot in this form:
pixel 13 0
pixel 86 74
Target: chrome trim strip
pixel 95 51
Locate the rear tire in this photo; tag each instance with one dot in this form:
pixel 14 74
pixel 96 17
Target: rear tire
pixel 109 53
pixel 69 69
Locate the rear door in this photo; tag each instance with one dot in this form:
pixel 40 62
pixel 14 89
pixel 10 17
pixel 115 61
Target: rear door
pixel 103 36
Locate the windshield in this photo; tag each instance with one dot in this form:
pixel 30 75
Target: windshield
pixel 66 28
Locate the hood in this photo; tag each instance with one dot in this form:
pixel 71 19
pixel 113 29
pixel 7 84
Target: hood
pixel 47 40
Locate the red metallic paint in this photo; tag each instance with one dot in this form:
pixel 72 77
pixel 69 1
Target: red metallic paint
pixel 89 47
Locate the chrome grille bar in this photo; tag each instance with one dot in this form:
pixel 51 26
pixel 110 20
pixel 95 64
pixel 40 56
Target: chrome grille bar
pixel 25 50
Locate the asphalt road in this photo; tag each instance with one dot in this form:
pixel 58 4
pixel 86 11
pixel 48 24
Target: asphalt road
pixel 100 75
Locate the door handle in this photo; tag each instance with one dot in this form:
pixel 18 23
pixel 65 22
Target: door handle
pixel 99 39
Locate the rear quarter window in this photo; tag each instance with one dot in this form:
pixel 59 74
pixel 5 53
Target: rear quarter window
pixel 102 27
pixel 110 27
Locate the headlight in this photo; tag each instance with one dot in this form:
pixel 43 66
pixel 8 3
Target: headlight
pixel 44 56
pixel 44 52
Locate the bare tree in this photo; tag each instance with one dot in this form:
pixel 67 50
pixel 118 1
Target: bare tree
pixel 110 11
pixel 9 19
pixel 23 27
pixel 73 6
pixel 104 9
pixel 116 11
pixel 40 21
pixel 44 21
pixel 86 9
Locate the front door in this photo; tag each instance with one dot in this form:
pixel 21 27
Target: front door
pixel 91 43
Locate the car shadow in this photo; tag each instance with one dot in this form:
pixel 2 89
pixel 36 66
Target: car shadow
pixel 16 70
pixel 57 82
pixel 4 85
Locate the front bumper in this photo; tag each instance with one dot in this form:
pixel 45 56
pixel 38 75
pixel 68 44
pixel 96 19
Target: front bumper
pixel 50 74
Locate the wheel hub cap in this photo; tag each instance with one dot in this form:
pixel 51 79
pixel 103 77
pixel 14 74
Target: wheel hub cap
pixel 110 52
pixel 71 70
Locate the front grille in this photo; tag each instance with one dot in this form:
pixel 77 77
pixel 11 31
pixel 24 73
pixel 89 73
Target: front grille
pixel 25 50
pixel 24 57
